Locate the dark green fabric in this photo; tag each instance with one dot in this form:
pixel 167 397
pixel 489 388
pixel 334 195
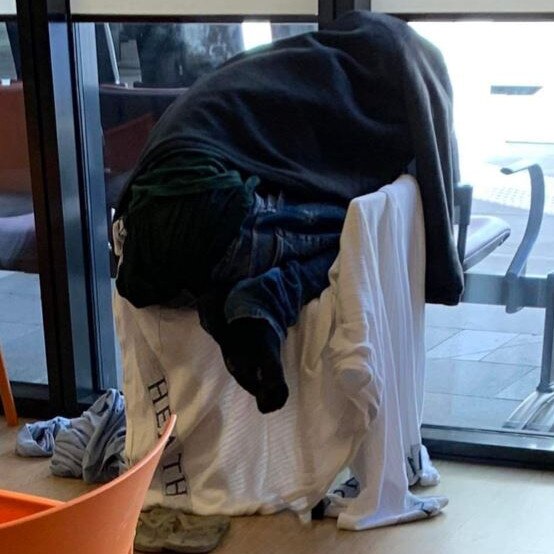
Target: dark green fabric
pixel 180 175
pixel 183 213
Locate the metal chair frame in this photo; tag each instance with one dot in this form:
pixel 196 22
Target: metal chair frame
pixel 516 290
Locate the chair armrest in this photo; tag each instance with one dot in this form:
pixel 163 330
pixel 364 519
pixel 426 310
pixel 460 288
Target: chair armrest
pixel 518 266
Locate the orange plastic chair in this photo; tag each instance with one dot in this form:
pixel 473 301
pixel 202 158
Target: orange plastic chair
pixel 100 522
pixel 6 394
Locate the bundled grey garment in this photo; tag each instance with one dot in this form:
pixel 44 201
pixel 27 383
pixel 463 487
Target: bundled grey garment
pixel 37 439
pixel 90 446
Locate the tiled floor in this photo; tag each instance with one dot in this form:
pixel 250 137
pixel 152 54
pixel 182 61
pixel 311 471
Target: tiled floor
pixel 477 376
pixel 481 361
pixel 21 330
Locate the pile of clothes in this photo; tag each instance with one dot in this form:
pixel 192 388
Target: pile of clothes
pixel 237 204
pixel 356 365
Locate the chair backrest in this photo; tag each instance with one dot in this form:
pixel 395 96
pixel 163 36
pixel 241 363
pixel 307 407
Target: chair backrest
pixel 124 143
pixel 119 104
pixel 14 156
pixel 100 522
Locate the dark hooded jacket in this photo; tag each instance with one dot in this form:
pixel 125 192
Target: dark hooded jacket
pixel 329 116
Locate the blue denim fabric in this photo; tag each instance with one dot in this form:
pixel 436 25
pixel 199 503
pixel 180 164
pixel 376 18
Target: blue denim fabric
pixel 277 264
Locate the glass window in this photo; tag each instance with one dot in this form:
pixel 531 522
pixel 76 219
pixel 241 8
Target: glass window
pixel 141 69
pixel 461 6
pixel 9 60
pixel 137 82
pixel 482 362
pixel 21 325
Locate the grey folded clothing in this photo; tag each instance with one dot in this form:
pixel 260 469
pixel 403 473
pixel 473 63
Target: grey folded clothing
pixel 90 446
pixel 93 446
pixel 164 529
pixel 37 439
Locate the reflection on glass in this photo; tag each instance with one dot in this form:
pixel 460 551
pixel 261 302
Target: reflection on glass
pixel 175 55
pixel 21 331
pixel 483 362
pixel 189 50
pixel 143 67
pixel 255 33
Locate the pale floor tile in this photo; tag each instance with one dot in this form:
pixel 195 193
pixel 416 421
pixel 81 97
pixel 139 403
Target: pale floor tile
pixel 523 387
pixel 20 308
pixel 468 343
pixel 10 331
pixel 23 284
pixel 467 411
pixel 435 335
pixel 26 358
pixel 522 354
pixel 526 339
pixel 486 318
pixel 449 376
pixel 474 356
pixel 21 329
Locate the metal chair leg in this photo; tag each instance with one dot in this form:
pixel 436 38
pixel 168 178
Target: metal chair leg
pixel 536 412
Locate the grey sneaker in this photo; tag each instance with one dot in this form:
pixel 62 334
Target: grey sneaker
pixel 153 528
pixel 165 529
pixel 197 534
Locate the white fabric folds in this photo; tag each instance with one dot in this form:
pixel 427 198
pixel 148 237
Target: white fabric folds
pixel 355 368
